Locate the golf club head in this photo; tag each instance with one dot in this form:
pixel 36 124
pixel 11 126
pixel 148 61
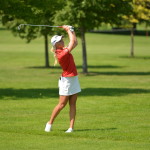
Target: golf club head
pixel 19 27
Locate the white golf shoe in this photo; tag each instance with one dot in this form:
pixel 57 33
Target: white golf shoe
pixel 48 127
pixel 69 130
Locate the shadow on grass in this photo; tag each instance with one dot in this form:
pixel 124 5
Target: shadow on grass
pixel 118 73
pixel 106 129
pixel 78 67
pixel 95 73
pixel 111 91
pixel 136 57
pixel 10 93
pixel 88 130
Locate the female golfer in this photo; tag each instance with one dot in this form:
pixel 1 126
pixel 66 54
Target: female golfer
pixel 68 83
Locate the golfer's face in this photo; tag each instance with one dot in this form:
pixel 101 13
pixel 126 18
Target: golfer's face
pixel 61 42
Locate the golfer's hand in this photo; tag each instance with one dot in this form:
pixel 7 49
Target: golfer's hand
pixel 68 27
pixel 65 27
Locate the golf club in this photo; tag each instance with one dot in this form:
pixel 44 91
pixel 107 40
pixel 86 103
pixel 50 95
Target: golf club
pixel 19 27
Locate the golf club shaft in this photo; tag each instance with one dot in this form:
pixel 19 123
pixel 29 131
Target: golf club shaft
pixel 40 25
pixel 19 27
pixel 37 25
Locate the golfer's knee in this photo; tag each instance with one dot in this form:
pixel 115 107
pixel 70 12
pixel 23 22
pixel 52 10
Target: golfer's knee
pixel 61 105
pixel 72 105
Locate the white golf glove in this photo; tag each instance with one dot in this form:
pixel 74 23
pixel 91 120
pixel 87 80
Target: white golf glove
pixel 71 28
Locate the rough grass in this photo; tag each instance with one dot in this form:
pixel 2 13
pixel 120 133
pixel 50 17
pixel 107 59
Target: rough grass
pixel 113 108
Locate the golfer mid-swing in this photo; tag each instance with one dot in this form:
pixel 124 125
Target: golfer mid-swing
pixel 68 83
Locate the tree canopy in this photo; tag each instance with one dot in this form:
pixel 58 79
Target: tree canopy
pixel 89 14
pixel 140 11
pixel 15 12
pixel 140 14
pixel 83 14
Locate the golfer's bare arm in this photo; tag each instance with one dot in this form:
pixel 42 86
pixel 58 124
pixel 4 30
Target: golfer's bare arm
pixel 73 40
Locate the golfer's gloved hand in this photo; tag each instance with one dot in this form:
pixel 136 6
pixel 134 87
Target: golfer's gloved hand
pixel 68 27
pixel 71 28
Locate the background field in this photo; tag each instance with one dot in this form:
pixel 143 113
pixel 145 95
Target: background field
pixel 112 111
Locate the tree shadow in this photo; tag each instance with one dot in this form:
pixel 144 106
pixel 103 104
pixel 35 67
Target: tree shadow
pixel 95 73
pixel 11 93
pixel 118 73
pixel 100 67
pixel 78 67
pixel 111 91
pixel 136 57
pixel 38 94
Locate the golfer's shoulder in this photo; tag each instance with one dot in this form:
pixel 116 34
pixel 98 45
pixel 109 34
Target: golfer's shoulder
pixel 66 49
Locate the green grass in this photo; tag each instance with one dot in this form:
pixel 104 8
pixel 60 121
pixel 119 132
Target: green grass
pixel 113 108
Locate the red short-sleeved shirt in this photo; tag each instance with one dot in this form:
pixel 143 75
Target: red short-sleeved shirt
pixel 67 63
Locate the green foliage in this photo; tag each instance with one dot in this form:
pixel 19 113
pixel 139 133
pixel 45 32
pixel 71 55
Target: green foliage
pixel 85 14
pixel 15 12
pixel 90 14
pixel 140 12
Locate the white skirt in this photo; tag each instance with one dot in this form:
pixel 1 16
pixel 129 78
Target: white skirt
pixel 69 85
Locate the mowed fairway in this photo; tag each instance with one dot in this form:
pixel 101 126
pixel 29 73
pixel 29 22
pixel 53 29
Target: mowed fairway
pixel 113 109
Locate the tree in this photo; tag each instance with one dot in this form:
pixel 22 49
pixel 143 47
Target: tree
pixel 89 14
pixel 15 12
pixel 83 14
pixel 140 13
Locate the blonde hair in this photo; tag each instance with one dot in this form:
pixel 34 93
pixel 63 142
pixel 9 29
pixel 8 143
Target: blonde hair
pixel 53 50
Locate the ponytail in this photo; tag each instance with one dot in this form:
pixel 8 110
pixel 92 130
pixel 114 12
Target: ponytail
pixel 53 51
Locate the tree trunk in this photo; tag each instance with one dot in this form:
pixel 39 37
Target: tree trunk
pixel 134 26
pixel 84 56
pixel 146 30
pixel 132 43
pixel 46 51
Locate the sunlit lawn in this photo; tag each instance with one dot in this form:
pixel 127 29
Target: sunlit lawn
pixel 113 108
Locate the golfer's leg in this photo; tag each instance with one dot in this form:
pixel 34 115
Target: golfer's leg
pixel 72 103
pixel 62 103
